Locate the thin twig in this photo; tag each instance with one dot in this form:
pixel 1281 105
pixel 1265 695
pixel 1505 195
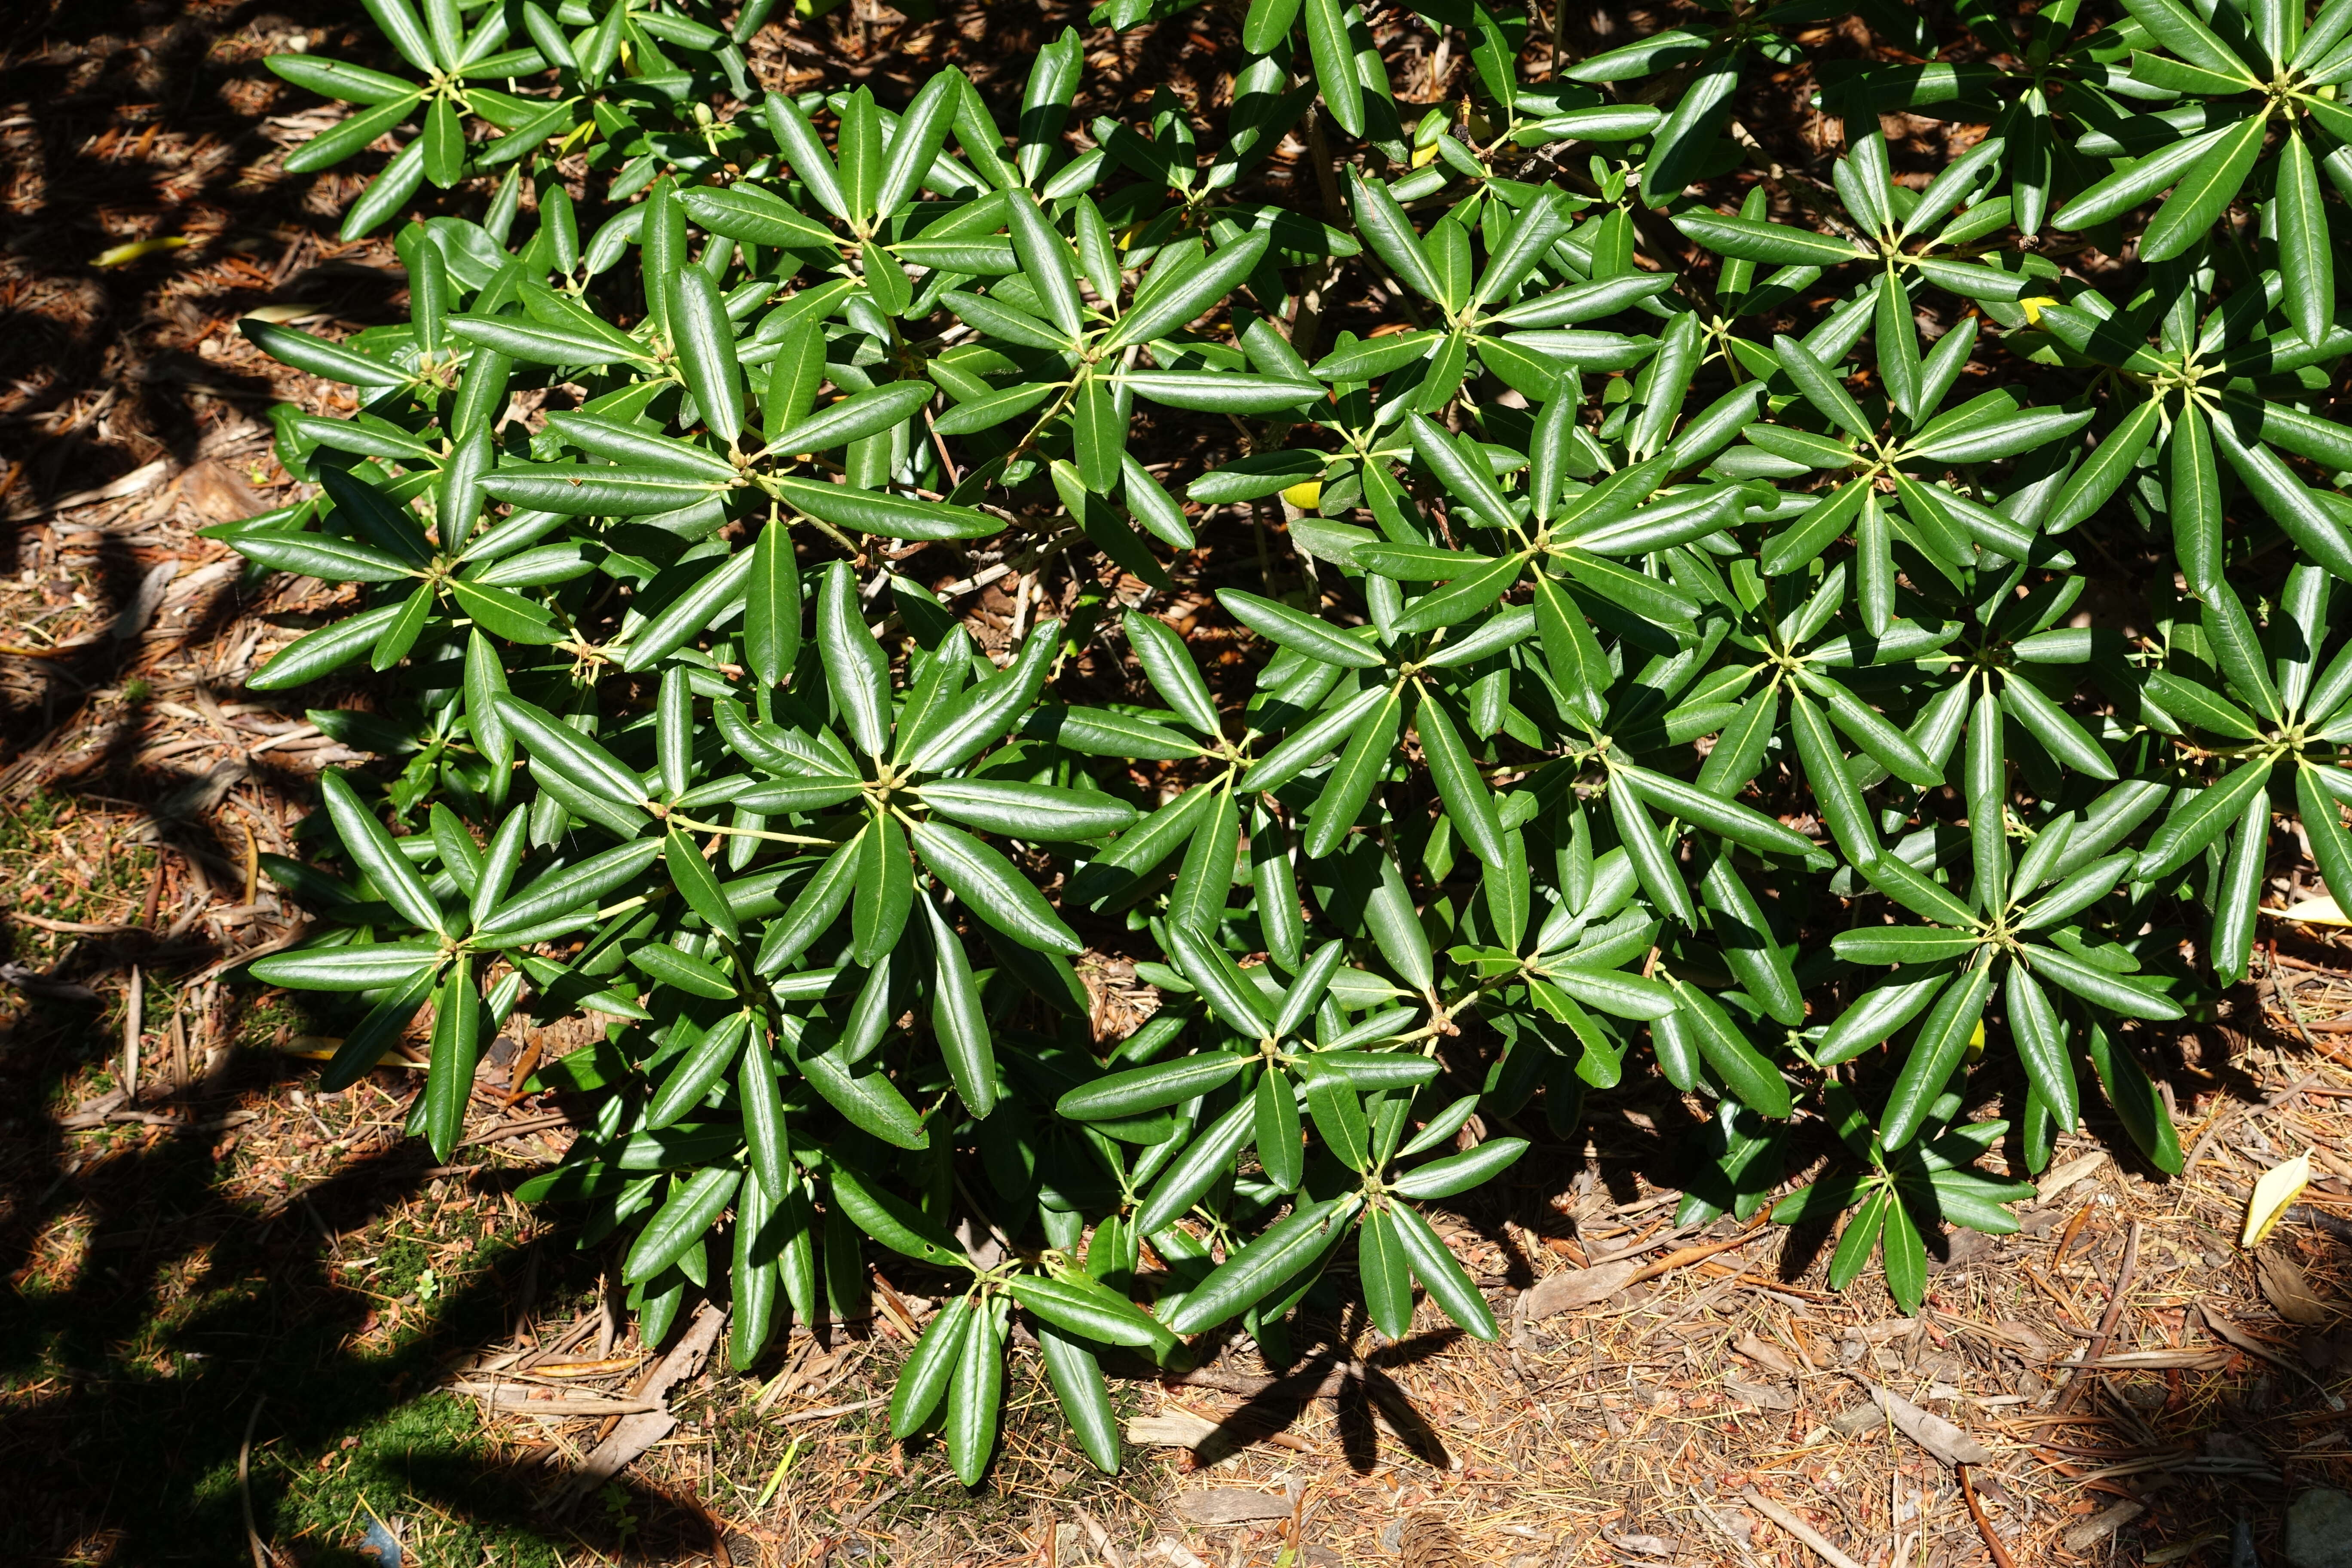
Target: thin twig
pixel 1798 1528
pixel 2098 1345
pixel 244 1487
pixel 2001 1557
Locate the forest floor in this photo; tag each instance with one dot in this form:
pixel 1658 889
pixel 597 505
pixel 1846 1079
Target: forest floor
pixel 244 1320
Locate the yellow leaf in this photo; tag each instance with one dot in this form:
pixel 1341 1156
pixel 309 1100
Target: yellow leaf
pixel 281 315
pixel 1305 495
pixel 2278 1187
pixel 123 254
pixel 1975 1043
pixel 1422 156
pixel 2322 911
pixel 2032 307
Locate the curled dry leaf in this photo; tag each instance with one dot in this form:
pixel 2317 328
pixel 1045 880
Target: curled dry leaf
pixel 2274 1196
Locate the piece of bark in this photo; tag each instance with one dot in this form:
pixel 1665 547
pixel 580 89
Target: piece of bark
pixel 1231 1505
pixel 638 1432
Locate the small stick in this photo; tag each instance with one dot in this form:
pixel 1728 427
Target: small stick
pixel 135 1009
pixel 244 1487
pixel 1688 1255
pixel 2098 1346
pixel 2001 1557
pixel 1798 1528
pixel 798 1416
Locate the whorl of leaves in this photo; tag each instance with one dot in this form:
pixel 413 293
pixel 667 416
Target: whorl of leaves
pixel 1701 667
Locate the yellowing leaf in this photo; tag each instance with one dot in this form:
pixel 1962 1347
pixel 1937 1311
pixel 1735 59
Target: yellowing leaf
pixel 2032 308
pixel 2280 1187
pixel 2322 911
pixel 123 254
pixel 1977 1043
pixel 1304 494
pixel 1422 156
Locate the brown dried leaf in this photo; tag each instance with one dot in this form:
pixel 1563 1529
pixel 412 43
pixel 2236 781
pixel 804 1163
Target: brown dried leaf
pixel 1572 1288
pixel 2288 1289
pixel 1933 1433
pixel 1771 1358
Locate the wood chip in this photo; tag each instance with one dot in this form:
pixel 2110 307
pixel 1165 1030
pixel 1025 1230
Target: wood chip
pixel 2098 1527
pixel 523 1399
pixel 1170 1429
pixel 1232 1505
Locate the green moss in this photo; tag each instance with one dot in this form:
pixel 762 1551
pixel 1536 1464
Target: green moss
pixel 424 1468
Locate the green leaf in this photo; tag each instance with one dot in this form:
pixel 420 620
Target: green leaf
pixel 1295 629
pixel 1819 386
pixel 2204 193
pixel 1381 1267
pixel 1468 804
pixel 1450 1286
pixel 1261 1268
pixel 373 850
pixel 771 607
pixel 1460 1172
pixel 691 874
pixel 2306 260
pixel 923 1379
pixel 1168 665
pixel 1082 1306
pixel 1097 435
pixel 1753 1080
pixel 973 1398
pixel 2319 532
pixel 2175 28
pixel 2040 1038
pixel 1701 808
pixel 1193 297
pixel 895 1223
pixel 563 753
pixel 670 967
pixel 359 966
pixel 1775 245
pixel 568 889
pixel 876 512
pixel 1943 1038
pixel 1046 263
pixel 1906 1253
pixel 856 417
pixel 996 893
pixel 703 1065
pixel 456 1046
pixel 1220 981
pixel 2113 992
pixel 2200 818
